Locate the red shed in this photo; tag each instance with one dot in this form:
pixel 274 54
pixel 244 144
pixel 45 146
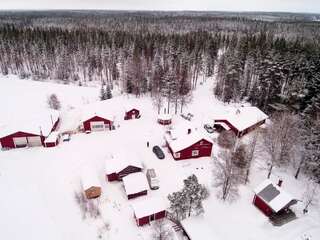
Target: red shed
pixel 131 113
pixel 135 185
pixel 97 123
pixel 242 120
pixel 31 133
pixel 119 167
pixel 148 210
pixel 52 140
pixel 271 199
pixel 191 145
pixel 164 119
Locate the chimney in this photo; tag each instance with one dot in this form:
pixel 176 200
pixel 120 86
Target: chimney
pixel 189 130
pixel 280 182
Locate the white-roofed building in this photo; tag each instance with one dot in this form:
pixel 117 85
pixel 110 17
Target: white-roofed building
pixel 148 210
pixel 188 144
pixel 241 120
pixel 90 183
pixel 52 140
pixel 271 198
pixel 164 119
pixel 30 131
pixel 135 185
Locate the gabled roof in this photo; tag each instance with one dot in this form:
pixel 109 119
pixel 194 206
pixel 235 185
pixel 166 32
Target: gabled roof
pixel 241 118
pixel 147 207
pixel 184 141
pixel 164 117
pixel 115 164
pixel 36 124
pixel 52 138
pixel 274 196
pixel 135 183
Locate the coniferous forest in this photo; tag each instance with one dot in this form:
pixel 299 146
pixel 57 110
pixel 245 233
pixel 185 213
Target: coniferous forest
pixel 271 62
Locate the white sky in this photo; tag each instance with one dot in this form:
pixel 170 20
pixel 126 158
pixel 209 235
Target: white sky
pixel 219 5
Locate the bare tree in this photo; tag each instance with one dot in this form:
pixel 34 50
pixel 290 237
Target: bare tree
pixel 310 196
pixel 227 139
pixel 161 230
pixel 54 102
pixel 280 138
pixel 226 176
pixel 250 150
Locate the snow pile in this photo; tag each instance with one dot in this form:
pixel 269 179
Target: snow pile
pixel 135 183
pixel 148 206
pixel 89 178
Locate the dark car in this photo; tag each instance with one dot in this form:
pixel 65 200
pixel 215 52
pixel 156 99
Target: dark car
pixel 208 128
pixel 158 152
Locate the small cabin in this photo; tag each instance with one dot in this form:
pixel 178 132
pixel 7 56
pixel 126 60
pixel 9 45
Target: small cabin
pixel 135 185
pixel 131 113
pixel 52 140
pixel 90 184
pixel 164 119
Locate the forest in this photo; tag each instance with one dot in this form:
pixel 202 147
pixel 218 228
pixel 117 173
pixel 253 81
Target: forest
pixel 271 61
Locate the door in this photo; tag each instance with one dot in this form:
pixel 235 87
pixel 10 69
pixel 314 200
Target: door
pixel 34 141
pixel 20 142
pixel 152 217
pixel 97 126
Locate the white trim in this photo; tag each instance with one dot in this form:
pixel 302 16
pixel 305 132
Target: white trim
pixel 195 153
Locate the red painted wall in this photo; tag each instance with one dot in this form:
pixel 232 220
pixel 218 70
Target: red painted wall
pixel 259 203
pixel 129 115
pixel 164 122
pixel 139 194
pixel 112 177
pixel 7 141
pixel 145 220
pixel 86 124
pixel 205 149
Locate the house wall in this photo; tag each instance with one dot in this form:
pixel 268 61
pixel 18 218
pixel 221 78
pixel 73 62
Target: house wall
pixel 259 203
pixel 164 122
pixel 112 177
pixel 131 113
pixel 87 126
pixel 204 147
pixel 7 141
pixel 145 220
pixel 135 195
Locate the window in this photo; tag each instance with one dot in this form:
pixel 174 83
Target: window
pixel 177 155
pixel 97 126
pixel 195 153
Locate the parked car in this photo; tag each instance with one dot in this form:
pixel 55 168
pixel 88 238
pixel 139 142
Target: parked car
pixel 208 128
pixel 152 179
pixel 66 137
pixel 158 152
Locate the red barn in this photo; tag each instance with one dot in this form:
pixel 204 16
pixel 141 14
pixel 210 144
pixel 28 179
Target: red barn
pixel 242 120
pixel 164 119
pixel 271 199
pixel 148 210
pixel 135 185
pixel 119 167
pixel 97 123
pixel 31 133
pixel 190 145
pixel 131 113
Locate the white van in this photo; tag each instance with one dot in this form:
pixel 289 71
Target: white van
pixel 152 179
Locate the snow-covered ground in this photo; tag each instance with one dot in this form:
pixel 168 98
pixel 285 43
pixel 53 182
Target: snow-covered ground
pixel 37 185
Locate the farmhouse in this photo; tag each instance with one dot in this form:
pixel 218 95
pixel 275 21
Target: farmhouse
pixel 52 140
pixel 29 132
pixel 148 210
pixel 241 121
pixel 164 119
pixel 271 199
pixel 190 145
pixel 131 112
pixel 90 184
pixel 135 185
pixel 118 167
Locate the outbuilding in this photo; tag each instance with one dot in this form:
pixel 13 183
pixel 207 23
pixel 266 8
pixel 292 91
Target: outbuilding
pixel 190 145
pixel 164 119
pixel 90 184
pixel 272 199
pixel 131 112
pixel 241 120
pixel 135 185
pixel 31 132
pixel 118 167
pixel 96 123
pixel 148 210
pixel 52 140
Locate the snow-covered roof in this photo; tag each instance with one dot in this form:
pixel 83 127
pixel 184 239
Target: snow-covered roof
pixel 184 141
pixel 39 122
pixel 115 164
pixel 242 117
pixel 273 195
pixel 135 183
pixel 164 117
pixel 130 106
pixel 181 129
pixel 199 229
pixel 52 138
pixel 89 178
pixel 148 206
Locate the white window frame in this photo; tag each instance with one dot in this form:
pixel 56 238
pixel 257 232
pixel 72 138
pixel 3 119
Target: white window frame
pixel 195 153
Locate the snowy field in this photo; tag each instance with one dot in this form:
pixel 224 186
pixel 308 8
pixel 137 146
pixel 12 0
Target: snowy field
pixel 38 184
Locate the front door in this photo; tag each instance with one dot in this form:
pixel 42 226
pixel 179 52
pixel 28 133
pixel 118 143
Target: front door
pixel 152 217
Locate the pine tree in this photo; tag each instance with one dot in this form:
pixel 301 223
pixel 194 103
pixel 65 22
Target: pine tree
pixel 108 93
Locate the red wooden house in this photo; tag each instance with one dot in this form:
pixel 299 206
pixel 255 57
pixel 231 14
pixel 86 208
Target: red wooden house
pixel 131 113
pixel 241 121
pixel 148 210
pixel 164 119
pixel 271 199
pixel 118 167
pixel 189 145
pixel 135 185
pixel 31 132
